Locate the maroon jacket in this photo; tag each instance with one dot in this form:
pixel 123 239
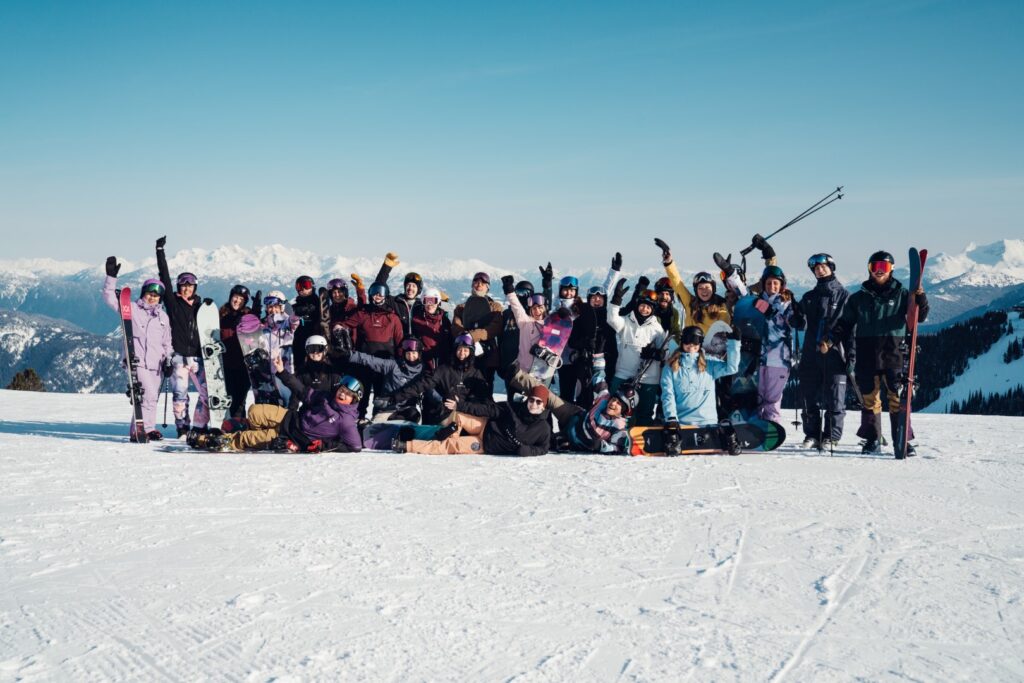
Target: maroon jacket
pixel 376 331
pixel 435 331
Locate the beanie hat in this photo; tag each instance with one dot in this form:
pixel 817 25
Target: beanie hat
pixel 540 391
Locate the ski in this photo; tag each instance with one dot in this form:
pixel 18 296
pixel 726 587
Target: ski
pixel 131 362
pixel 917 261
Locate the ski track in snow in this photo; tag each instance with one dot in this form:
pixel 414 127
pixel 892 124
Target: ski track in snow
pixel 123 562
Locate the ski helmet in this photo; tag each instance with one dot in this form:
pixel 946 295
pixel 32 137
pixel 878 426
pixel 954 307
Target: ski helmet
pixel 648 296
pixel 692 334
pixel 881 257
pixel 415 279
pixel 701 278
pixel 569 281
pixel 274 298
pixel 524 289
pixel 411 344
pixel 597 290
pixel 153 285
pixel 463 339
pixel 482 277
pixel 663 285
pixel 817 259
pixel 379 288
pixel 303 282
pixel 338 283
pixel 316 342
pixel 775 272
pixel 431 294
pixel 186 279
pixel 240 290
pixel 627 396
pixel 350 384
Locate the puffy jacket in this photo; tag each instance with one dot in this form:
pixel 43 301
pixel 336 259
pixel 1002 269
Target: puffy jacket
pixel 151 328
pixel 280 338
pixel 775 330
pixel 184 330
pixel 511 428
pixel 435 331
pixel 321 417
pixel 632 336
pixel 594 431
pixel 821 310
pixel 876 317
pixel 687 394
pixel 700 313
pixel 530 331
pixel 376 330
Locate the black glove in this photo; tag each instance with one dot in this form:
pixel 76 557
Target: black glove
pixel 666 253
pixel 761 244
pixel 161 241
pixel 734 333
pixel 168 367
pixel 620 290
pixel 725 264
pixel 797 320
pixel 617 262
pixel 921 299
pixel 546 274
pixel 671 425
pixel 642 284
pixel 257 304
pixel 208 301
pixel 508 284
pixel 113 267
pixel 651 352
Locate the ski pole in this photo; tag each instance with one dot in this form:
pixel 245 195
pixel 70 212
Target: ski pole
pixel 796 367
pixel 166 387
pixel 813 208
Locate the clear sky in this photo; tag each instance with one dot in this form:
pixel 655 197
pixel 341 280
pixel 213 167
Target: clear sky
pixel 511 132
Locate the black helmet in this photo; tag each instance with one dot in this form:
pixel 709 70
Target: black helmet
pixel 240 290
pixel 626 394
pixel 881 256
pixel 692 334
pixel 701 278
pixel 663 285
pixel 303 282
pixel 524 288
pixel 414 278
pixel 817 259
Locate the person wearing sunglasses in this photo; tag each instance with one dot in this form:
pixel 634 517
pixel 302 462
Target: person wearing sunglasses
pixel 823 376
pixel 318 373
pixel 182 304
pixel 517 428
pixel 151 338
pixel 875 319
pixel 395 374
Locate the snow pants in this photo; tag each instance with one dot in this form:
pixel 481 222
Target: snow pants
pixel 466 439
pixel 236 380
pixel 264 426
pixel 822 392
pixel 771 382
pixel 870 416
pixel 150 381
pixel 185 368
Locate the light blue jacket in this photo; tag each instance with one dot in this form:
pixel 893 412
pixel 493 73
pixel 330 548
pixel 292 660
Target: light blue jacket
pixel 688 395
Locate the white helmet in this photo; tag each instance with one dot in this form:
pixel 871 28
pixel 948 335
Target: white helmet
pixel 316 340
pixel 275 294
pixel 431 293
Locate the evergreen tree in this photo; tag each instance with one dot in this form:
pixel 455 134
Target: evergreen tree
pixel 27 380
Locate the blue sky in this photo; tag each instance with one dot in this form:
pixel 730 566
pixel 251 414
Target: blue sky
pixel 509 132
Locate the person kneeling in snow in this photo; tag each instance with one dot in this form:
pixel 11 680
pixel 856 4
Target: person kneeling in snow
pixel 505 428
pixel 326 422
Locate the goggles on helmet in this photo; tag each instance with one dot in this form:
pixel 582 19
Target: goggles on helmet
pixel 597 290
pixel 880 267
pixel 702 277
pixel 818 259
pixel 538 300
pixel 273 301
pixel 302 283
pixel 315 348
pixel 411 344
pixel 187 279
pixel 153 288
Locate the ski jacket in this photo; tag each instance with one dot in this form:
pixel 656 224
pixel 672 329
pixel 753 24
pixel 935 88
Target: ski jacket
pixel 435 331
pixel 315 375
pixel 669 318
pixel 229 317
pixel 280 337
pixel 464 382
pixel 876 317
pixel 487 334
pixel 396 374
pixel 687 394
pixel 594 431
pixel 321 417
pixel 184 330
pixel 309 311
pixel 530 332
pixel 151 328
pixel 511 429
pixel 700 313
pixel 335 314
pixel 375 330
pixel 631 337
pixel 776 335
pixel 821 309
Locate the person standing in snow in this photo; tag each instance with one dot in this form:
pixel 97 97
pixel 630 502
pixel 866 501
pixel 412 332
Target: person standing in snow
pixel 279 329
pixel 236 377
pixel 587 341
pixel 480 317
pixel 641 342
pixel 182 307
pixel 306 307
pixel 151 338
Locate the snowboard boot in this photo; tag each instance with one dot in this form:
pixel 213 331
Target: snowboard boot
pixel 871 447
pixel 810 442
pixel 399 446
pixel 670 436
pixel 560 443
pixel 183 431
pixel 729 440
pixel 154 435
pixel 208 441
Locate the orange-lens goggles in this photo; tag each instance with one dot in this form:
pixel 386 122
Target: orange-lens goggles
pixel 880 267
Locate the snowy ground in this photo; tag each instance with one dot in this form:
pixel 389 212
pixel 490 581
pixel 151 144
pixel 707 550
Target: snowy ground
pixel 123 562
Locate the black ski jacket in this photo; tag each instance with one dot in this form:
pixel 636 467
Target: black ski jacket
pixel 464 382
pixel 184 331
pixel 820 310
pixel 876 316
pixel 318 376
pixel 511 429
pixel 229 317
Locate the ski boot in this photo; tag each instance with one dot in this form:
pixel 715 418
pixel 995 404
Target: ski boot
pixel 810 442
pixel 729 440
pixel 871 447
pixel 670 437
pixel 560 443
pixel 441 434
pixel 154 435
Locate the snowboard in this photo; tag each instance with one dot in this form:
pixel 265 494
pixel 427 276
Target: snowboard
pixel 208 321
pixel 131 364
pixel 917 260
pixel 378 436
pixel 753 435
pixel 256 354
pixel 547 352
pixel 715 339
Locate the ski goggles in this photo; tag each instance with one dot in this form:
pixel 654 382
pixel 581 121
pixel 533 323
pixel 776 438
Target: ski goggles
pixel 338 283
pixel 880 267
pixel 153 288
pixel 411 345
pixel 538 300
pixel 350 385
pixel 187 279
pixel 316 348
pixel 303 283
pixel 378 289
pixel 568 282
pixel 463 340
pixel 431 301
pixel 701 278
pixel 817 260
pixel 597 290
pixel 482 277
pixel 272 301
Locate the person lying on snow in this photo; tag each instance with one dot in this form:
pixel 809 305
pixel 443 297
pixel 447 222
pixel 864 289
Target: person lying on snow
pixel 326 422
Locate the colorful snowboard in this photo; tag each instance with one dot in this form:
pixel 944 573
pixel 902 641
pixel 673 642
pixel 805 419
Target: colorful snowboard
pixel 208 321
pixel 256 352
pixel 131 364
pixel 379 436
pixel 903 430
pixel 754 435
pixel 547 352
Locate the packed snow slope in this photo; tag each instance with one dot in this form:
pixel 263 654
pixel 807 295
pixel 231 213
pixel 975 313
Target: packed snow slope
pixel 122 562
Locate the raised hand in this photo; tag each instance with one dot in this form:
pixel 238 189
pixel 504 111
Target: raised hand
pixel 617 262
pixel 620 290
pixel 666 252
pixel 113 267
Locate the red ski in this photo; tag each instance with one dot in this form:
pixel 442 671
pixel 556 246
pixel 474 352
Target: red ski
pixel 917 260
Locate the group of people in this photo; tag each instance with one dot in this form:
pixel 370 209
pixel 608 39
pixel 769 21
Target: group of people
pixel 346 357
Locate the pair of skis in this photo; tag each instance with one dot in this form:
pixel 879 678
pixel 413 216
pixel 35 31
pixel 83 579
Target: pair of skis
pixel 917 261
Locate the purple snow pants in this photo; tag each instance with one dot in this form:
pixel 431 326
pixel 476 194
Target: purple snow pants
pixel 770 384
pixel 150 381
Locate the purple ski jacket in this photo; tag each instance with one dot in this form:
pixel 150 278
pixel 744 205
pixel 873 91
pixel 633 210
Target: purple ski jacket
pixel 151 328
pixel 323 418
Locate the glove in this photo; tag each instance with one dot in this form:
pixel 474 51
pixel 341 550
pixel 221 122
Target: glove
pixel 666 253
pixel 734 333
pixel 444 296
pixel 257 304
pixel 168 367
pixel 208 301
pixel 161 241
pixel 725 264
pixel 642 283
pixel 546 273
pixel 357 281
pixel 113 267
pixel 391 259
pixel 761 244
pixel 617 262
pixel 508 284
pixel 650 352
pixel 920 298
pixel 671 424
pixel 315 446
pixel 294 322
pixel 620 290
